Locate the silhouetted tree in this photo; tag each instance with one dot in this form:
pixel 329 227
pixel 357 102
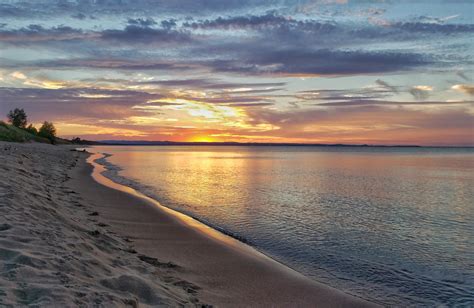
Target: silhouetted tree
pixel 47 130
pixel 17 117
pixel 31 129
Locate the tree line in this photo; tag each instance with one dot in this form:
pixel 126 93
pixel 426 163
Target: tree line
pixel 18 118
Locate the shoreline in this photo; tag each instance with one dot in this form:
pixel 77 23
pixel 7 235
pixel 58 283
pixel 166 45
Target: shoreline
pixel 330 297
pixel 113 175
pixel 194 222
pixel 68 240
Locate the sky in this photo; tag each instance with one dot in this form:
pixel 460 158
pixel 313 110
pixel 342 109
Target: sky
pixel 314 71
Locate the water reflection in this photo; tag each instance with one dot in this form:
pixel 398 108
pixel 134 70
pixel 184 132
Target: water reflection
pixel 387 224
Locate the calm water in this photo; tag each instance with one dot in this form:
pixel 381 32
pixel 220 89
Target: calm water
pixel 395 226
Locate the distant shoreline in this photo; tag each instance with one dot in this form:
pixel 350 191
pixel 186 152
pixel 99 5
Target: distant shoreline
pixel 173 143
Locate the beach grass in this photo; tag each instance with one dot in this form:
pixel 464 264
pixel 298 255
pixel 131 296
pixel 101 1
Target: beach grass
pixel 15 134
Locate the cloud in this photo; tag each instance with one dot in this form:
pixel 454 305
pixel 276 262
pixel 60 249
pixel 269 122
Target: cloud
pixel 387 86
pixel 99 104
pixel 37 33
pixel 55 8
pixel 268 44
pixel 462 75
pixel 145 35
pixel 435 20
pixel 11 11
pixel 79 16
pixel 301 62
pixel 232 56
pixel 371 102
pixel 108 63
pixel 256 22
pixel 465 88
pixel 328 32
pixel 226 99
pixel 345 94
pixel 250 60
pixel 138 31
pixel 157 104
pixel 371 124
pixel 424 27
pixel 421 92
pixel 209 84
pixel 358 115
pixel 169 23
pixel 202 84
pixel 252 104
pixel 142 22
pixel 73 103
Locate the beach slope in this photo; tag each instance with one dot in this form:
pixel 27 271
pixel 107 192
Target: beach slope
pixel 56 251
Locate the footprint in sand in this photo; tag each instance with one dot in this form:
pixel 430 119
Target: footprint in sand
pixel 155 262
pixel 5 227
pixel 94 233
pixel 187 286
pixel 134 286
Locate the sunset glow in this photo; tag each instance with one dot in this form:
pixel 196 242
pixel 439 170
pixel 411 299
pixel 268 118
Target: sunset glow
pixel 368 73
pixel 247 153
pixel 202 139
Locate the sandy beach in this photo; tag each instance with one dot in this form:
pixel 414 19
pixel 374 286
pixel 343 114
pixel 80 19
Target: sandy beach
pixel 71 237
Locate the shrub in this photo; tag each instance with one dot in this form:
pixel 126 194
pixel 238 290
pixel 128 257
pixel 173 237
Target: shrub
pixel 47 130
pixel 17 117
pixel 31 129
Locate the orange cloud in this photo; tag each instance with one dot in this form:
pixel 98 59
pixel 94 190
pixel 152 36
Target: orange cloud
pixel 465 88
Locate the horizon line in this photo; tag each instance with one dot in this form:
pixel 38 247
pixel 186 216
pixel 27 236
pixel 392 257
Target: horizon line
pixel 236 143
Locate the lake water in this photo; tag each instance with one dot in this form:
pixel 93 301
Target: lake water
pixel 392 225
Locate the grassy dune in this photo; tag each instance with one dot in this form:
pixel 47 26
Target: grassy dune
pixel 15 134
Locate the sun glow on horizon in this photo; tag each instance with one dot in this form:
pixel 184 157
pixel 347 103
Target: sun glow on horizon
pixel 202 139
